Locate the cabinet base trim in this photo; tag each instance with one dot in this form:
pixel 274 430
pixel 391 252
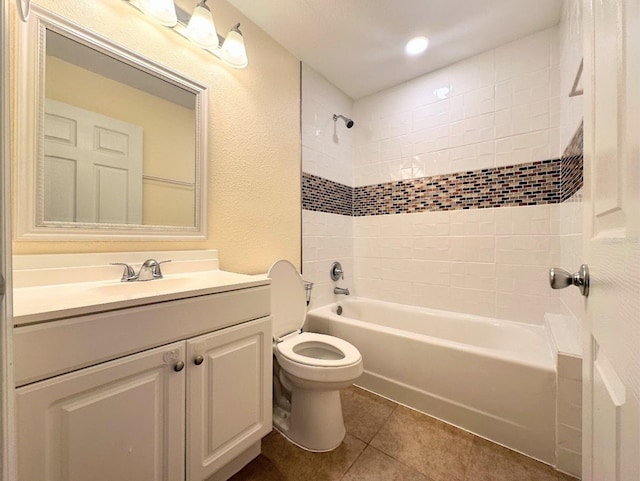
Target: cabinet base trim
pixel 237 463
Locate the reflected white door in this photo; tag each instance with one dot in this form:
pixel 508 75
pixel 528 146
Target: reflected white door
pixel 611 420
pixel 92 167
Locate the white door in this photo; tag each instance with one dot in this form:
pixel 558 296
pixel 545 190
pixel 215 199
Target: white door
pixel 611 419
pixel 122 420
pixel 229 395
pixel 92 167
pixel 7 447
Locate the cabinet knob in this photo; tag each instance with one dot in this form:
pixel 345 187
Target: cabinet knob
pixel 198 360
pixel 179 366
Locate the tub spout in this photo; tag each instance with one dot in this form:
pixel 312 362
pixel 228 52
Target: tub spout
pixel 341 290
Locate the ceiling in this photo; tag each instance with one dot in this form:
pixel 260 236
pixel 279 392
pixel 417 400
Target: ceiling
pixel 358 45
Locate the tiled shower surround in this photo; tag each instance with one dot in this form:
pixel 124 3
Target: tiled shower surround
pixel 445 193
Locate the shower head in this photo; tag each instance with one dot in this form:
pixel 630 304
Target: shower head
pixel 347 121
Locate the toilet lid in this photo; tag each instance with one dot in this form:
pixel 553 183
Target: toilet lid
pixel 288 299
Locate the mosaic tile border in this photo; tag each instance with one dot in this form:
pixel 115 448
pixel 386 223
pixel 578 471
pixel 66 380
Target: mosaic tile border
pixel 526 184
pixel 324 195
pixel 543 182
pixel 571 174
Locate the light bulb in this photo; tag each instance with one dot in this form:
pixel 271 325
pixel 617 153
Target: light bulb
pixel 201 30
pixel 232 50
pixel 164 11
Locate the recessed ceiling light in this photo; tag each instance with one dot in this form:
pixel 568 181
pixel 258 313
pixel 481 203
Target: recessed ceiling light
pixel 416 45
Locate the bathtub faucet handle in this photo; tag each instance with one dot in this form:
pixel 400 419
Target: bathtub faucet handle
pixel 336 271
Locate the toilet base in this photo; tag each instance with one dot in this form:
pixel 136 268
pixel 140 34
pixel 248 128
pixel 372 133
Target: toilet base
pixel 315 422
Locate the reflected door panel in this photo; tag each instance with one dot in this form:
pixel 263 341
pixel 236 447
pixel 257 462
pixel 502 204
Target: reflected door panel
pixel 93 167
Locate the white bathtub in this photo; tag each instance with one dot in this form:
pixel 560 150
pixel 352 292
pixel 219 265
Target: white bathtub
pixel 491 377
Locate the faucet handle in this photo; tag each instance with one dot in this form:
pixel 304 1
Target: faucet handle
pixel 157 273
pixel 336 271
pixel 128 274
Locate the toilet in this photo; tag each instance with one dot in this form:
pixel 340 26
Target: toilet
pixel 309 369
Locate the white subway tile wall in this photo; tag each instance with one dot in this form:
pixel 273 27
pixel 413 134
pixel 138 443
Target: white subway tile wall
pixel 491 262
pixel 326 145
pixel 326 238
pixel 326 152
pixel 495 109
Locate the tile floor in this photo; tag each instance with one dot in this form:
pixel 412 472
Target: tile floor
pixel 389 442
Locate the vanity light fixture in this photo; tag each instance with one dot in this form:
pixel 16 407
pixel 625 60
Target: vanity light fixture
pixel 164 11
pixel 232 50
pixel 24 8
pixel 199 28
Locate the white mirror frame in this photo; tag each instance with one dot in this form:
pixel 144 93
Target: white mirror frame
pixel 29 91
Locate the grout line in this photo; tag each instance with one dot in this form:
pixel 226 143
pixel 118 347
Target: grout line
pixel 366 445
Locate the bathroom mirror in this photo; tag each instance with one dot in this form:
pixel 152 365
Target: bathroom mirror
pixel 116 142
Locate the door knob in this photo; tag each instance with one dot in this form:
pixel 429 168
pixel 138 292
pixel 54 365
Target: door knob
pixel 179 366
pixel 198 360
pixel 559 279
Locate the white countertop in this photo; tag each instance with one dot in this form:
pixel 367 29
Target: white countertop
pixel 43 303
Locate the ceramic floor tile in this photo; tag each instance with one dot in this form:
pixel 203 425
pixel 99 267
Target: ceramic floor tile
pixel 373 465
pixel 432 447
pixel 364 413
pixel 287 462
pixel 490 462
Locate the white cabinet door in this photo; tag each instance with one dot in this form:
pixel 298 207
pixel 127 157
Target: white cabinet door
pixel 122 420
pixel 229 395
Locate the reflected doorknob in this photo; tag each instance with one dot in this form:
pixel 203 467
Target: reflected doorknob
pixel 559 279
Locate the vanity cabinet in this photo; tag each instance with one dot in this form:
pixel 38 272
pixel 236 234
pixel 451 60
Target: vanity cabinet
pixel 188 409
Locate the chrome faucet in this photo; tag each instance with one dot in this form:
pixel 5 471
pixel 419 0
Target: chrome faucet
pixel 341 290
pixel 129 274
pixel 150 270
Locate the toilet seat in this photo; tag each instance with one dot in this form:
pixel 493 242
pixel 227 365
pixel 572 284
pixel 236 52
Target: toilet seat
pixel 293 349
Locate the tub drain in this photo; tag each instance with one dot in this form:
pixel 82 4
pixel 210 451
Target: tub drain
pixel 339 310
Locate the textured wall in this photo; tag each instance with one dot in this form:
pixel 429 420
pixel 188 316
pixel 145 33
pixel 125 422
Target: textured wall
pixel 254 135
